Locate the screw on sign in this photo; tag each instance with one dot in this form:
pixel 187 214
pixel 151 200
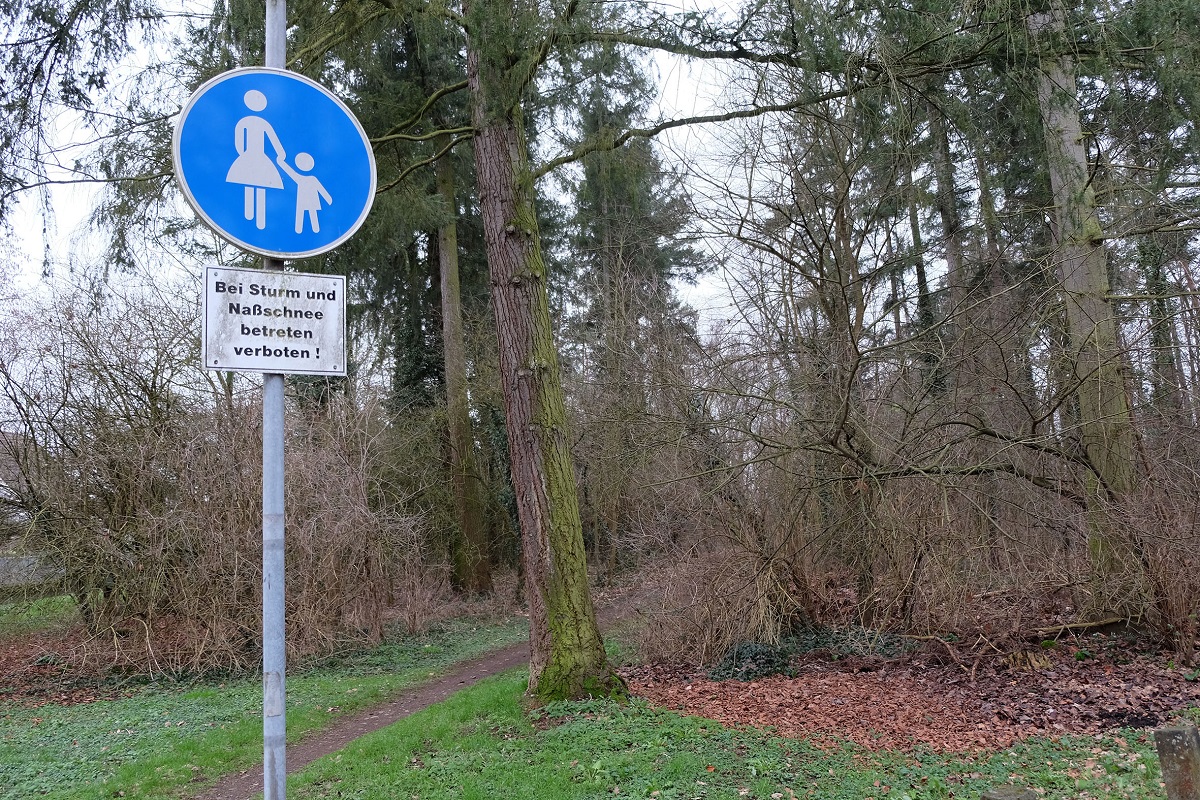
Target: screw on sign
pixel 274 162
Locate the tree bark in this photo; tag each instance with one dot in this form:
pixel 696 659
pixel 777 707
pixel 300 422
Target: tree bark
pixel 472 572
pixel 1105 419
pixel 946 199
pixel 929 348
pixel 567 657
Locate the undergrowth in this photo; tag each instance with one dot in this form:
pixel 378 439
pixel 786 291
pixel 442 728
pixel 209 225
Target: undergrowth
pixel 749 661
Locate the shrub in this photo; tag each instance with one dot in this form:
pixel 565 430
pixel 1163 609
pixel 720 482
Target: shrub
pixel 750 660
pixel 141 478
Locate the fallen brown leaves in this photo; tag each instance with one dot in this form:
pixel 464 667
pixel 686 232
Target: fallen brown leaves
pixel 910 702
pixel 34 671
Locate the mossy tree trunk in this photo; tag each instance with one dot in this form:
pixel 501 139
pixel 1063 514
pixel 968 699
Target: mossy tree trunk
pixel 472 571
pixel 1105 419
pixel 567 657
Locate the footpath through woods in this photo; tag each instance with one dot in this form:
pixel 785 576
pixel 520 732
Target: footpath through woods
pixel 953 694
pixel 249 784
pixel 938 697
pixel 612 608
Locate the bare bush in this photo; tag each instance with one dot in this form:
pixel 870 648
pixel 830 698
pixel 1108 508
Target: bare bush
pixel 1163 532
pixel 142 487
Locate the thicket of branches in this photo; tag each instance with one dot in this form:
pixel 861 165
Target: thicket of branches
pixel 137 480
pixel 958 382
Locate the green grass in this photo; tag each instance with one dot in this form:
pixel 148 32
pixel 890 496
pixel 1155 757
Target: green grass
pixel 167 741
pixel 156 742
pixel 44 613
pixel 482 744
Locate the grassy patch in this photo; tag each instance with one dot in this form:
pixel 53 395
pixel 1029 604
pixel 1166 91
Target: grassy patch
pixel 163 738
pixel 482 743
pixel 44 613
pixel 165 741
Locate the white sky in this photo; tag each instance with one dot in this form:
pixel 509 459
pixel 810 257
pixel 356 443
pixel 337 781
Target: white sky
pixel 61 240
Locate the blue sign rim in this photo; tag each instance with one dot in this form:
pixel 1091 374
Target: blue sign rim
pixel 181 178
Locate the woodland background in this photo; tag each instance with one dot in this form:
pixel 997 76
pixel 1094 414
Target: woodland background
pixel 951 387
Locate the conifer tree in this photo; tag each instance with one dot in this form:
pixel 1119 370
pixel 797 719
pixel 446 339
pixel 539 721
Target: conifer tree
pixel 567 657
pixel 629 214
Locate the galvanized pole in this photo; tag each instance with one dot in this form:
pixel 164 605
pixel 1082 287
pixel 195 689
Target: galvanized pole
pixel 274 694
pixel 274 646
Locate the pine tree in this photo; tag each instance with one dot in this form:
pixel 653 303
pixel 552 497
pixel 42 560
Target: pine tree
pixel 567 657
pixel 629 214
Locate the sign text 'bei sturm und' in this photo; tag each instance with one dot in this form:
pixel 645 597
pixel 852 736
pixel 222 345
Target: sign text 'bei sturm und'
pixel 279 322
pixel 274 162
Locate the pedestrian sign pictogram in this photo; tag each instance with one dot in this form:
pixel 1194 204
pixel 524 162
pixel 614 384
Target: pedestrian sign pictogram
pixel 274 162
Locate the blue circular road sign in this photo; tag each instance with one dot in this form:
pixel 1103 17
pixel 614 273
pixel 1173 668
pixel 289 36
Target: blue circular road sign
pixel 274 162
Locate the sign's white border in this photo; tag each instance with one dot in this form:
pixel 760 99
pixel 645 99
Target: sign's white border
pixel 224 234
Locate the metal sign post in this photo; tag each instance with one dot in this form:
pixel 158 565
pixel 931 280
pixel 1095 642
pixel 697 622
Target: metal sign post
pixel 274 646
pixel 276 164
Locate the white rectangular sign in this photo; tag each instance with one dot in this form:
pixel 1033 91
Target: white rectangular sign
pixel 266 321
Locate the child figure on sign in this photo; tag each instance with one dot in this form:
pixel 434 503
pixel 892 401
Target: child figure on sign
pixel 309 191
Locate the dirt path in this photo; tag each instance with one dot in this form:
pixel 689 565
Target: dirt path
pixel 923 699
pixel 613 607
pixel 249 784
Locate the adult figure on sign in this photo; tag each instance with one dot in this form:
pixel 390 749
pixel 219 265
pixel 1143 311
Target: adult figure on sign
pixel 253 168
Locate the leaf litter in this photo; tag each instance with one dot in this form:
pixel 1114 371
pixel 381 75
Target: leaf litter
pixel 924 700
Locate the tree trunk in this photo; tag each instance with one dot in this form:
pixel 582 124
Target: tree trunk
pixel 1166 379
pixel 470 552
pixel 929 348
pixel 946 198
pixel 567 657
pixel 1105 421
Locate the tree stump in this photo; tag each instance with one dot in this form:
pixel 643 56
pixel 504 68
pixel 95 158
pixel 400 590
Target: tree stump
pixel 1178 749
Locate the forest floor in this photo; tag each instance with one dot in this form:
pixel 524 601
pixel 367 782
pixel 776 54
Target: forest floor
pixel 942 696
pixel 912 701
